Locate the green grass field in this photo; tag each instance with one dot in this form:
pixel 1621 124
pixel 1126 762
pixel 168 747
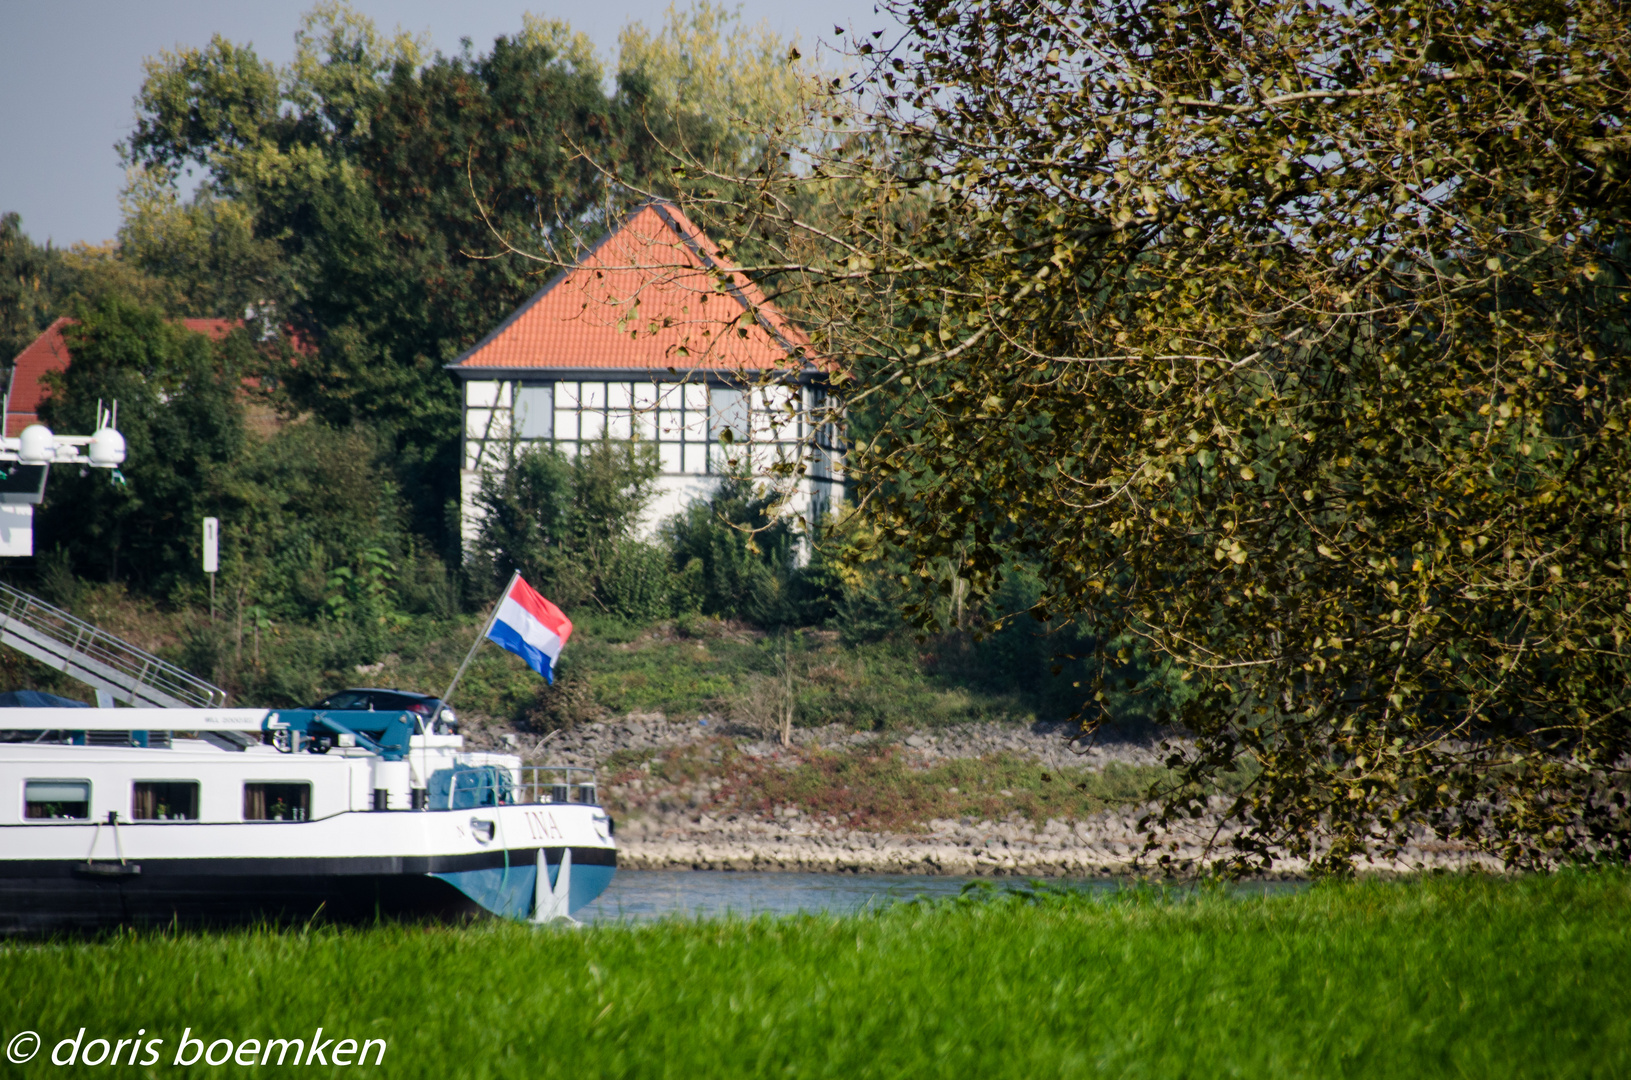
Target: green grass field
pixel 1444 977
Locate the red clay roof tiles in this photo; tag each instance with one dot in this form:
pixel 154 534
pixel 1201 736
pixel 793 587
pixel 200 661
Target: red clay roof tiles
pixel 655 293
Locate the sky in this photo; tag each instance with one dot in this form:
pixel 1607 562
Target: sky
pixel 70 69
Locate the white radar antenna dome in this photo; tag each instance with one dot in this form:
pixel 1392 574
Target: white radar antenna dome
pixel 107 449
pixel 36 445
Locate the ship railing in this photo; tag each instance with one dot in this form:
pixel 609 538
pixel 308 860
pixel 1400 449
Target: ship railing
pixel 558 784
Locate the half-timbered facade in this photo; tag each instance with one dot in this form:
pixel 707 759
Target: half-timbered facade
pixel 653 336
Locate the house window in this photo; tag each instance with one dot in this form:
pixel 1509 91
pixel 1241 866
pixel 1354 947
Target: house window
pixel 727 412
pixel 644 410
pixel 566 411
pixel 57 799
pixel 591 410
pixel 619 410
pixel 164 800
pixel 535 411
pixel 277 802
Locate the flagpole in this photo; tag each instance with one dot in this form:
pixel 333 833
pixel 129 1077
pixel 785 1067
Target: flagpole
pixel 481 637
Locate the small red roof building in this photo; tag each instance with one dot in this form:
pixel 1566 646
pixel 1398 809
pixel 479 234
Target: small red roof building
pixel 26 389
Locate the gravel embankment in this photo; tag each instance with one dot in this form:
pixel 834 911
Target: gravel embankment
pixel 592 744
pixel 1105 845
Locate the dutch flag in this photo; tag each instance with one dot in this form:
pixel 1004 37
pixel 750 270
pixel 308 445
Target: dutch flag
pixel 531 627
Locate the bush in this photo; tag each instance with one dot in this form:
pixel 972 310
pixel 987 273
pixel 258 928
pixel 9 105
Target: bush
pixel 567 525
pixel 732 557
pixel 567 702
pixel 638 584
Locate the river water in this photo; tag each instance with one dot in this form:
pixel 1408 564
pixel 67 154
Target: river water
pixel 643 895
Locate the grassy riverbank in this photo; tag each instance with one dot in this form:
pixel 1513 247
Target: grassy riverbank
pixel 683 668
pixel 1453 976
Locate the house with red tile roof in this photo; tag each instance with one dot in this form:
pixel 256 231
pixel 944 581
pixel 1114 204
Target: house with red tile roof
pixel 25 389
pixel 653 335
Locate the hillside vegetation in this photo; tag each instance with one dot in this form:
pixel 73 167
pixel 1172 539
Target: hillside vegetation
pixel 696 667
pixel 324 434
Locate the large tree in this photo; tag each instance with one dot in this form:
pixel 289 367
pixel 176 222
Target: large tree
pixel 716 89
pixel 39 284
pixel 30 279
pixel 377 176
pixel 1290 339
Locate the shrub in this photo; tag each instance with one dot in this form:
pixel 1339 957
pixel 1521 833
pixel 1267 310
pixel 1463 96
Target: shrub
pixel 567 525
pixel 733 558
pixel 638 584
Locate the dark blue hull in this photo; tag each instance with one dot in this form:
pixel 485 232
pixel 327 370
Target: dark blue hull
pixel 53 896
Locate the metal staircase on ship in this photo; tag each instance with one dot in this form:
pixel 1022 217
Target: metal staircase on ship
pixel 116 669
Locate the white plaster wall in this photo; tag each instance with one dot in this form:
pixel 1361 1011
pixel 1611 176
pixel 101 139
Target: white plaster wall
pixel 489 409
pixel 470 514
pixel 674 494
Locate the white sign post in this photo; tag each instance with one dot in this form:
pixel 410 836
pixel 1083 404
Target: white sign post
pixel 212 555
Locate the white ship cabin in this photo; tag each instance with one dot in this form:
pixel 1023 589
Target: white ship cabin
pixel 654 336
pixel 240 776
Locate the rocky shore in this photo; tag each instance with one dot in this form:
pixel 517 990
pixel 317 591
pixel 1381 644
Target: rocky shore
pixel 1047 744
pixel 1107 845
pixel 678 829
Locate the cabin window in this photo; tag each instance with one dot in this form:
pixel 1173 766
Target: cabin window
pixel 465 787
pixel 57 799
pixel 277 802
pixel 165 800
